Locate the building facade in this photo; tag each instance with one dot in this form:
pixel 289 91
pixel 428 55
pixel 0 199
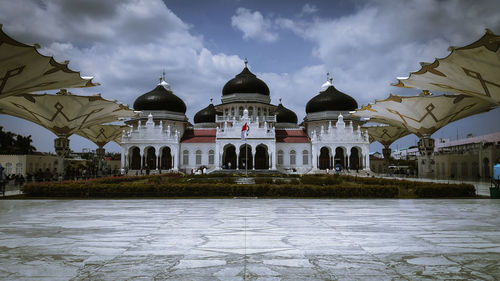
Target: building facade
pixel 162 139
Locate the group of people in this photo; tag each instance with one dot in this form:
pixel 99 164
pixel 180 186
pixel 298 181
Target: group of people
pixel 17 180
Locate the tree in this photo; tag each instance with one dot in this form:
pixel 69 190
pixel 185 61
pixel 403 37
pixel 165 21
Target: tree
pixel 11 143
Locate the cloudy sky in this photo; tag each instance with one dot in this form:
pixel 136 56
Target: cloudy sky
pixel 127 44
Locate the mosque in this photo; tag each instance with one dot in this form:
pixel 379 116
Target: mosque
pixel 162 138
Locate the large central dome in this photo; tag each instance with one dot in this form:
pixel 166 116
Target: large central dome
pixel 245 83
pixel 160 98
pixel 331 99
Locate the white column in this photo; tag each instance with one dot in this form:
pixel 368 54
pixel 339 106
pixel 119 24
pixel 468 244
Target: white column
pixel 254 150
pixel 174 160
pixel 123 158
pixel 237 161
pixel 158 162
pixel 142 159
pixel 217 157
pixel 269 160
pixel 367 161
pixel 273 158
pixel 348 161
pixel 314 160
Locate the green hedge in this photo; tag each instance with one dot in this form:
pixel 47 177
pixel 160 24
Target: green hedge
pixel 436 190
pixel 206 190
pixel 177 185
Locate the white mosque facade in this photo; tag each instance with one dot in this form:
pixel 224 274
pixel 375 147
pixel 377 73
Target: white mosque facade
pixel 162 139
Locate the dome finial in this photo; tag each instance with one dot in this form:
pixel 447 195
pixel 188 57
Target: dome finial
pixel 331 80
pixel 246 62
pixel 280 100
pixel 328 76
pixel 163 75
pixel 211 100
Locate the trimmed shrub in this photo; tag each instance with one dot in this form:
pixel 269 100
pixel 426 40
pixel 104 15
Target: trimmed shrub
pixel 321 180
pixel 436 190
pixel 207 190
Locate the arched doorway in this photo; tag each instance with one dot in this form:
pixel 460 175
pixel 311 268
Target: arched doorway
pixel 339 157
pixel 354 159
pixel 486 168
pixel 245 157
pixel 135 163
pixel 324 158
pixel 229 157
pixel 166 159
pixel 150 158
pixel 261 157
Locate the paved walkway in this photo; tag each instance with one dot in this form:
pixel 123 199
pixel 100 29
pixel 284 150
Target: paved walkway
pixel 250 239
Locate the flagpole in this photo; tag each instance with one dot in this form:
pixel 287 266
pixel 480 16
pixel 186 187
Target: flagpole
pixel 246 158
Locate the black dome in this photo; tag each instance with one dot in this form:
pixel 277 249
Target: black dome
pixel 285 115
pixel 331 99
pixel 246 82
pixel 160 99
pixel 206 115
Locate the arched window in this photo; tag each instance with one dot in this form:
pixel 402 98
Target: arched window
pixel 19 168
pixel 280 157
pixel 211 156
pixel 258 111
pixel 8 168
pixel 305 157
pixel 198 157
pixel 240 111
pixel 185 157
pixel 292 157
pixel 250 111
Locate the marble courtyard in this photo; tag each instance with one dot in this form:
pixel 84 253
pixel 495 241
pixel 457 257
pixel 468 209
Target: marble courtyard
pixel 249 239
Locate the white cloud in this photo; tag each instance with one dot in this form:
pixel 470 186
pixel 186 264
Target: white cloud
pixel 367 49
pixel 253 25
pixel 125 46
pixel 308 9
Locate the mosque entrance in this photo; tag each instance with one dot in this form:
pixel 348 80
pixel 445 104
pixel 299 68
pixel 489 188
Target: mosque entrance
pixel 150 158
pixel 339 157
pixel 245 157
pixel 354 159
pixel 229 158
pixel 135 163
pixel 166 159
pixel 261 158
pixel 324 158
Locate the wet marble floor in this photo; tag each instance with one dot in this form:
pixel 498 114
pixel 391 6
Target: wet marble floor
pixel 250 239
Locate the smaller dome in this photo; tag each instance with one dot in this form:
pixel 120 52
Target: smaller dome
pixel 206 115
pixel 285 115
pixel 160 98
pixel 245 83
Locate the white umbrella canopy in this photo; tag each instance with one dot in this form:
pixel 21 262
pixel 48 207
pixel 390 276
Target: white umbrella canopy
pixel 103 134
pixel 472 70
pixel 64 113
pixel 24 70
pixel 423 114
pixel 386 134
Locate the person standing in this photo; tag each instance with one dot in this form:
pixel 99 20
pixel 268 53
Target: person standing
pixel 2 180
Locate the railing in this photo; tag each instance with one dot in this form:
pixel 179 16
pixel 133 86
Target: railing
pixel 252 118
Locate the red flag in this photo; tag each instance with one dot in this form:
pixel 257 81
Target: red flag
pixel 244 132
